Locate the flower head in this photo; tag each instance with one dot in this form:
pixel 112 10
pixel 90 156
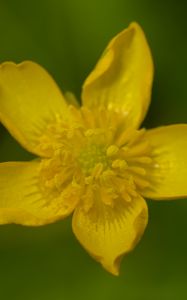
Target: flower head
pixel 93 161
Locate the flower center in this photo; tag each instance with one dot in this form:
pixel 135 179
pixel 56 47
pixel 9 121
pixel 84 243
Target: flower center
pixel 90 156
pixel 94 157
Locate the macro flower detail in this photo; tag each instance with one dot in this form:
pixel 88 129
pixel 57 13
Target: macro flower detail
pixel 93 161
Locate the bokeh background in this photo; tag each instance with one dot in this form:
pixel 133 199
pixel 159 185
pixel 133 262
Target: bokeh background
pixel 67 37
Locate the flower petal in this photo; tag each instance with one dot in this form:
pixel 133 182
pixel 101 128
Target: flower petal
pixel 22 201
pixel 29 99
pixel 169 173
pixel 122 79
pixel 108 233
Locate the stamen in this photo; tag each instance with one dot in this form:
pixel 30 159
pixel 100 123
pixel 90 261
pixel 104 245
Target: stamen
pixel 87 200
pixel 137 170
pixel 119 163
pixel 124 137
pixel 141 183
pixel 112 150
pixel 89 132
pixel 106 197
pixel 138 134
pixel 141 160
pixel 139 150
pixel 126 197
pixel 97 170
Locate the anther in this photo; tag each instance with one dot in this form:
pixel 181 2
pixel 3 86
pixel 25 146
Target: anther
pixel 112 150
pixel 119 163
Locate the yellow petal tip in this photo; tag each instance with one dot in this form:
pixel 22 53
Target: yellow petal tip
pixel 112 268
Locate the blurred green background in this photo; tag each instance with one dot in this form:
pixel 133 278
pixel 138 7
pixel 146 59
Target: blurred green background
pixel 67 37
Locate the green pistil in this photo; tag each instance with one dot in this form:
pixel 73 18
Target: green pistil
pixel 91 155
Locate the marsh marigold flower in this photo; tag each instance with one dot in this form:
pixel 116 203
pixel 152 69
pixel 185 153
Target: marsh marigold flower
pixel 93 161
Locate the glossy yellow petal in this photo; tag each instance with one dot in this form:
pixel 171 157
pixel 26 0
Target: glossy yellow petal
pixel 29 99
pixel 122 79
pixel 22 201
pixel 168 176
pixel 108 233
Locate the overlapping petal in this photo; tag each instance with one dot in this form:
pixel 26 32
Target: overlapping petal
pixel 22 201
pixel 29 100
pixel 168 176
pixel 122 79
pixel 108 233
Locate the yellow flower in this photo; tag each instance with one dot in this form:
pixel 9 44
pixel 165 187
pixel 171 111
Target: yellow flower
pixel 94 161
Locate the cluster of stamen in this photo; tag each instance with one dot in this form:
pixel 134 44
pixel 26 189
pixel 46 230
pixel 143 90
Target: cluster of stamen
pixel 94 157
